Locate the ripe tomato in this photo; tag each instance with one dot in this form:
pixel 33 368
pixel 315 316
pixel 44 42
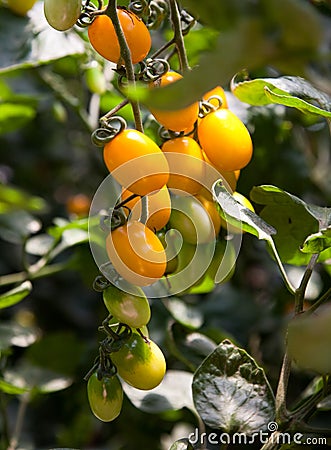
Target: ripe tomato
pixel 191 219
pixel 104 40
pixel 219 92
pixel 79 205
pixel 225 140
pixel 136 162
pixel 230 177
pixel 62 14
pixel 20 7
pixel 175 120
pixel 141 364
pixel 186 164
pixel 105 397
pixel 136 253
pixel 158 204
pixel 128 308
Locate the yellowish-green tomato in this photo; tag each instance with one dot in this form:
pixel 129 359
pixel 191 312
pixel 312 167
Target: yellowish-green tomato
pixel 105 397
pixel 131 309
pixel 62 14
pixel 20 7
pixel 141 364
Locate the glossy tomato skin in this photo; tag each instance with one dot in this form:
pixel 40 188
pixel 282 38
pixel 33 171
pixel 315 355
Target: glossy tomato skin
pixel 175 120
pixel 191 219
pixel 186 164
pixel 136 162
pixel 136 253
pixel 62 14
pixel 225 140
pixel 158 205
pixel 219 92
pixel 104 40
pixel 131 309
pixel 105 397
pixel 141 364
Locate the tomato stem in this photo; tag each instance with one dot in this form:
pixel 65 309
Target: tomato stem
pixel 111 12
pixel 178 36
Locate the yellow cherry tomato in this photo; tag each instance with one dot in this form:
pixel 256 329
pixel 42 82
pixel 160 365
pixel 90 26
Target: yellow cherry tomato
pixel 20 7
pixel 219 92
pixel 136 253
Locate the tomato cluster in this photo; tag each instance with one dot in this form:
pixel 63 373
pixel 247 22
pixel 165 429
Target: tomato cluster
pixel 165 226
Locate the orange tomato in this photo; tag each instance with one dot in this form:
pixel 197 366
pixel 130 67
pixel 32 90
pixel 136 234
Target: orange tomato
pixel 225 140
pixel 175 120
pixel 158 205
pixel 211 208
pixel 219 92
pixel 186 164
pixel 136 162
pixel 104 40
pixel 136 253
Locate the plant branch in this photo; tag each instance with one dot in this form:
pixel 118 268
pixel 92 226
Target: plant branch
pixel 19 277
pixel 111 12
pixel 300 292
pixel 282 413
pixel 178 36
pixel 325 297
pixel 24 401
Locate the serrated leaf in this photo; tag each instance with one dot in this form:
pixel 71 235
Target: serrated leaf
pixel 317 242
pixel 15 295
pixel 240 216
pixel 231 392
pixel 293 219
pixel 187 315
pixel 172 394
pixel 290 91
pixel 12 333
pixel 29 41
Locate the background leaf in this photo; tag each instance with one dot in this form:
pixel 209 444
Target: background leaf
pixel 15 295
pixel 290 91
pixel 231 392
pixel 317 242
pixel 12 333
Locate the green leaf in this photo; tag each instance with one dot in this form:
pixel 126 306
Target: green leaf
pixel 14 116
pixel 293 219
pixel 185 314
pixel 29 41
pixel 39 245
pixel 181 444
pixel 15 226
pixel 240 216
pixel 15 295
pixel 28 378
pixel 12 198
pixel 317 242
pixel 172 394
pixel 11 333
pixel 232 393
pixel 294 92
pixel 189 347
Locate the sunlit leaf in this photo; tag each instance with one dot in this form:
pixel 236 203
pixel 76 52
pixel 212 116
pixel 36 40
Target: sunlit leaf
pixel 183 313
pixel 14 116
pixel 12 198
pixel 12 333
pixel 17 225
pixel 172 394
pixel 15 295
pixel 231 392
pixel 289 91
pixel 317 242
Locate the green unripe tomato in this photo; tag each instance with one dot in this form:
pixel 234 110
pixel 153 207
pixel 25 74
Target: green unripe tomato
pixel 20 7
pixel 62 14
pixel 191 219
pixel 131 309
pixel 95 79
pixel 141 364
pixel 105 397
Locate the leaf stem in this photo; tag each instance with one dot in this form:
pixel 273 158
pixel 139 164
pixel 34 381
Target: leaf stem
pixel 111 12
pixel 325 297
pixel 24 401
pixel 300 292
pixel 19 277
pixel 282 413
pixel 178 36
pixel 283 273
